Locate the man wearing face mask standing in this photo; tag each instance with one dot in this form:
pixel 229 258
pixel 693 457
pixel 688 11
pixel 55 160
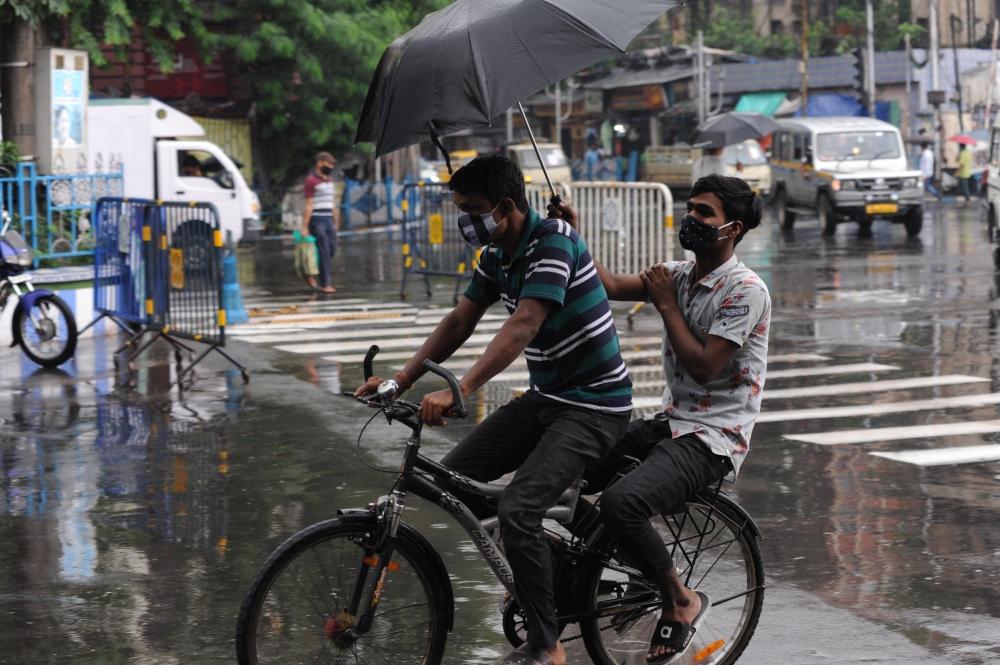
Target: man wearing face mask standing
pixel 321 218
pixel 580 394
pixel 716 313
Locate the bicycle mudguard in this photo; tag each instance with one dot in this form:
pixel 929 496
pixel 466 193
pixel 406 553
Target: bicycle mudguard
pixel 737 510
pixel 26 301
pixel 409 533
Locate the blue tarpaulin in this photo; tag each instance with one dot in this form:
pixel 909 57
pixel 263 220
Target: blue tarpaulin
pixel 834 104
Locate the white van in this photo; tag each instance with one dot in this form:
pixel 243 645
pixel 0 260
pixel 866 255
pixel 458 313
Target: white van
pixel 142 136
pixel 844 169
pixel 556 163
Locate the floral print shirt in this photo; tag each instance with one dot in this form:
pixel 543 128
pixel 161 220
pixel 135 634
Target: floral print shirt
pixel 733 303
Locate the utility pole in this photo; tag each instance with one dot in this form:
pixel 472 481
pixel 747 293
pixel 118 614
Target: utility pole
pixel 870 59
pixel 510 125
pixel 804 62
pixel 700 78
pixel 954 24
pixel 935 58
pixel 909 85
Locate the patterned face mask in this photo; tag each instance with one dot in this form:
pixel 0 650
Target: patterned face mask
pixel 697 236
pixel 477 228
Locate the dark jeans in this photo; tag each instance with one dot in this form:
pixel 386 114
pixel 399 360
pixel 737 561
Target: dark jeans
pixel 965 187
pixel 321 228
pixel 929 186
pixel 549 444
pixel 672 472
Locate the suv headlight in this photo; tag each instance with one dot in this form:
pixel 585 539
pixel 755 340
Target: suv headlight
pixel 846 185
pixel 909 183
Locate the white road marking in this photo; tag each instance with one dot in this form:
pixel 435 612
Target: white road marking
pixel 897 433
pixel 872 386
pixel 961 401
pixel 413 344
pixel 942 456
pixel 854 368
pixel 381 335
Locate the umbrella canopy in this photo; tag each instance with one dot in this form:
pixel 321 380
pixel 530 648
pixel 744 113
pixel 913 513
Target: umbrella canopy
pixel 732 128
pixel 963 139
pixel 464 65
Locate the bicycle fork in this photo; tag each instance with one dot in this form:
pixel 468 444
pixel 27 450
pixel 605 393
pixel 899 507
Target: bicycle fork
pixel 375 566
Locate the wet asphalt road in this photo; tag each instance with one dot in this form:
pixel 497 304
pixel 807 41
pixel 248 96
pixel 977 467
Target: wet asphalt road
pixel 132 519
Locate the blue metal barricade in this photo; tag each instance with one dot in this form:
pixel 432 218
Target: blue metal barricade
pixel 158 266
pixel 432 243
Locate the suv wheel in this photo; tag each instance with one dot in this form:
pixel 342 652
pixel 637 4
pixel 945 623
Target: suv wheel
pixel 914 221
pixel 827 215
pixel 786 218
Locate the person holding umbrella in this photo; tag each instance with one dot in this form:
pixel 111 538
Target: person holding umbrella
pixel 580 394
pixel 964 172
pixel 710 162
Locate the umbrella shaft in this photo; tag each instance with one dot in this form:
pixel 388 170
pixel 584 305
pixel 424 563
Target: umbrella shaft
pixel 531 135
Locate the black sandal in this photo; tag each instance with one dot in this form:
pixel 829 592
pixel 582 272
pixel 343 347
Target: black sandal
pixel 675 635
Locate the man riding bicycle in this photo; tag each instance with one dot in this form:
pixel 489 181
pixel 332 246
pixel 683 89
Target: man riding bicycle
pixel 580 395
pixel 716 313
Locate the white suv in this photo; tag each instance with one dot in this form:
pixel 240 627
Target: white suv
pixel 844 169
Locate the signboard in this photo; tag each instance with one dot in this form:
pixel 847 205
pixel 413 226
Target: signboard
pixel 61 93
pixel 639 98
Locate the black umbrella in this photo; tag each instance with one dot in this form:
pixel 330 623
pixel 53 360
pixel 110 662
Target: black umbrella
pixel 732 128
pixel 467 63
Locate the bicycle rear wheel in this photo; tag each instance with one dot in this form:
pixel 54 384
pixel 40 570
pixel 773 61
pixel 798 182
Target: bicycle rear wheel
pixel 296 609
pixel 715 551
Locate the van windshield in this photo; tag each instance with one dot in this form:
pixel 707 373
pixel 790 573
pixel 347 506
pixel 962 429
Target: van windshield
pixel 552 156
pixel 747 154
pixel 845 146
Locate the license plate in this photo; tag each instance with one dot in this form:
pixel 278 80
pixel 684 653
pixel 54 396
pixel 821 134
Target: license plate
pixel 881 208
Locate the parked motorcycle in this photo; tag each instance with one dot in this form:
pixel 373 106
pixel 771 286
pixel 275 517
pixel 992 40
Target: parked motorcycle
pixel 43 325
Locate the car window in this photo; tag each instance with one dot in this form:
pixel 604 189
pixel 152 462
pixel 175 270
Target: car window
pixel 551 156
pixel 995 149
pixel 798 147
pixel 747 153
pixel 855 145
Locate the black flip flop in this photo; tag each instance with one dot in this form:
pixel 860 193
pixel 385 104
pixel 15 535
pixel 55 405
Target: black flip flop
pixel 676 635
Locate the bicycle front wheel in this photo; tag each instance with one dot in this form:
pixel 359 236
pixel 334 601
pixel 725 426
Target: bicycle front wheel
pixel 297 610
pixel 715 551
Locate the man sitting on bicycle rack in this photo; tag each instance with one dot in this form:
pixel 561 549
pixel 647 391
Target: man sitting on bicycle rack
pixel 716 313
pixel 580 394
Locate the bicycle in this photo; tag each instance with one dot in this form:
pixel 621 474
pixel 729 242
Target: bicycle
pixel 366 587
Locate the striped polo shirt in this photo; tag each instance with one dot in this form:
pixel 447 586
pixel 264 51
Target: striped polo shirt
pixel 323 191
pixel 575 357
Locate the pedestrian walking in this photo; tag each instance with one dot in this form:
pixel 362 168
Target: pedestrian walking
pixel 964 173
pixel 321 218
pixel 927 171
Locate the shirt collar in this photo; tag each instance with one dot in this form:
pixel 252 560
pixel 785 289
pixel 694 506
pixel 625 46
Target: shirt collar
pixel 531 220
pixel 711 279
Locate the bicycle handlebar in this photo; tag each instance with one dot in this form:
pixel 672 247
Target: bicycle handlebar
pixel 457 411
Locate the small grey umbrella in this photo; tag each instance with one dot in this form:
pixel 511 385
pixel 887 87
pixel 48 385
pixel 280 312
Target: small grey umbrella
pixel 464 65
pixel 732 128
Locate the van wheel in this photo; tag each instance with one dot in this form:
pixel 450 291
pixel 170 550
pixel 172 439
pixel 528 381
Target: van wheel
pixel 827 215
pixel 786 218
pixel 914 221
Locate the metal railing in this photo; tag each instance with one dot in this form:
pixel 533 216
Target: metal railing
pixel 55 213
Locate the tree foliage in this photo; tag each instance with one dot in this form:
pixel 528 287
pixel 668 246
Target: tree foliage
pixel 309 63
pixel 729 29
pixel 91 24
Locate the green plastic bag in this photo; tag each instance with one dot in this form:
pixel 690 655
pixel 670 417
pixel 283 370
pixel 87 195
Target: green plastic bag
pixel 306 257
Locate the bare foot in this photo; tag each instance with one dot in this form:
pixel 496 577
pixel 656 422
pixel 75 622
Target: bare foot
pixel 311 281
pixel 329 289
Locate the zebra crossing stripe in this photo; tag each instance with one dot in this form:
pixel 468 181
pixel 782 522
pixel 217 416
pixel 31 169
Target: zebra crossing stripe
pixel 872 386
pixel 381 336
pixel 962 401
pixel 897 433
pixel 942 456
pixel 854 368
pixel 413 343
